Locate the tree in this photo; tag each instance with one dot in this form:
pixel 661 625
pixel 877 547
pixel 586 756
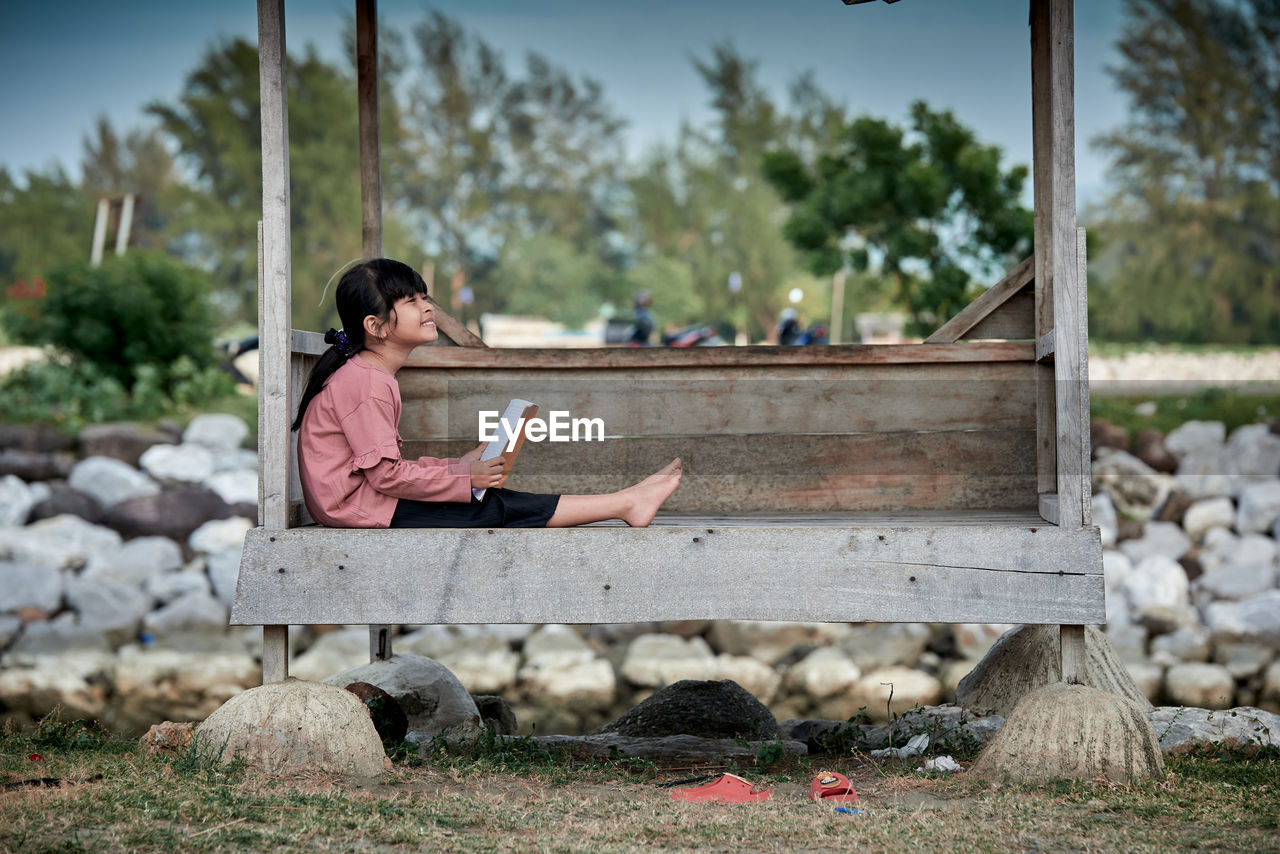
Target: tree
pixel 44 223
pixel 216 125
pixel 1188 241
pixel 138 164
pixel 929 205
pixel 498 157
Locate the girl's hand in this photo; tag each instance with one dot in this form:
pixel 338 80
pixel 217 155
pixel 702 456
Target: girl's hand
pixel 486 473
pixel 472 456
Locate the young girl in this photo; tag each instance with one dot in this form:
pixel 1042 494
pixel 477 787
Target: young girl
pixel 349 448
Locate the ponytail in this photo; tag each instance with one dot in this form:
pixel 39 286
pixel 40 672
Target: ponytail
pixel 370 288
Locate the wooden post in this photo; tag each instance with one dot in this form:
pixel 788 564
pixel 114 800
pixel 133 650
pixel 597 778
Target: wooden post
pixel 99 232
pixel 370 155
pixel 370 189
pixel 1073 654
pixel 274 300
pixel 1042 186
pixel 837 307
pixel 126 224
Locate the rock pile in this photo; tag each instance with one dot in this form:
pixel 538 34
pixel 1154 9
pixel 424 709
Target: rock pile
pixel 120 553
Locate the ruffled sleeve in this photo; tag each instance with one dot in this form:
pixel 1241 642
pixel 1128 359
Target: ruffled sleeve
pixel 371 432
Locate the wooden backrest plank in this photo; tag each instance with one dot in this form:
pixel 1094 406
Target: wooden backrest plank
pixel 1013 320
pixel 986 303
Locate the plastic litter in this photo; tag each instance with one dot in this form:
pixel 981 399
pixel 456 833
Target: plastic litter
pixel 730 788
pixel 914 747
pixel 848 811
pixel 830 786
pixel 942 763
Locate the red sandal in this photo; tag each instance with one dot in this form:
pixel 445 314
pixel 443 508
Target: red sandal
pixel 830 786
pixel 730 788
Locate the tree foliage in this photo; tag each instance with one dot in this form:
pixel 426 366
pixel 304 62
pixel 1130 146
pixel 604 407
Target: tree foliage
pixel 1190 241
pixel 929 205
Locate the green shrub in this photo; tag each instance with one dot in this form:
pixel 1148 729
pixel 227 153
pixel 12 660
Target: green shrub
pixel 143 308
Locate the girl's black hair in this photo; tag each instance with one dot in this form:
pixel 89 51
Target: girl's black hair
pixel 369 288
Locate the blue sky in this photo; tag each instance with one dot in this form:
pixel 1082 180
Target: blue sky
pixel 65 63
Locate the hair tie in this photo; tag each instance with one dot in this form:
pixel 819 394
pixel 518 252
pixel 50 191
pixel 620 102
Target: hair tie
pixel 338 338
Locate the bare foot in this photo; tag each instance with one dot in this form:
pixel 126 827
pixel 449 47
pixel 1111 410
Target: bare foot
pixel 649 494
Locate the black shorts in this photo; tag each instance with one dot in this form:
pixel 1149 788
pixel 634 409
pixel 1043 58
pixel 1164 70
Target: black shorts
pixel 500 508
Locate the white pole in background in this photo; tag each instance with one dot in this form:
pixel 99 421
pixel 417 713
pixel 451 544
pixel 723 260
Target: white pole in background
pixel 126 224
pixel 99 232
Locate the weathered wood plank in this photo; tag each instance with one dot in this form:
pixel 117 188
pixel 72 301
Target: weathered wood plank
pixel 1044 347
pixel 275 287
pixel 630 358
pixel 367 112
pixel 1049 507
pixel 1067 321
pixel 601 575
pixel 987 302
pixel 695 402
pixel 1042 187
pixel 1015 320
pixel 785 473
pixel 1082 315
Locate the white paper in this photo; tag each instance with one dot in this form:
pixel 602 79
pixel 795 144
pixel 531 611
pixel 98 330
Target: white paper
pixel 502 436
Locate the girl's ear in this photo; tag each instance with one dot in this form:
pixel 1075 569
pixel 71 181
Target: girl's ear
pixel 372 327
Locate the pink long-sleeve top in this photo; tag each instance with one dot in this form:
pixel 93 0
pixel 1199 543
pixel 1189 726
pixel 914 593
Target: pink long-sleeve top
pixel 349 453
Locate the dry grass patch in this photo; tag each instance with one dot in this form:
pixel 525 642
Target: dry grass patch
pixel 514 799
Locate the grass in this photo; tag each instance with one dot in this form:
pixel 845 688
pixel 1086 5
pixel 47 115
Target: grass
pixel 1165 412
pixel 523 799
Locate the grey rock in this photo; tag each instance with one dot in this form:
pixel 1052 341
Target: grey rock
pixel 219 535
pixel 238 459
pixel 113 608
pixel 178 465
pixel 1259 506
pixel 62 542
pixel 1135 488
pixel 1208 513
pixel 761 680
pixel 224 570
pixel 703 708
pixel 1271 684
pixel 876 645
pixel 1243 659
pixel 1104 517
pixel 1164 539
pixel 769 641
pixel 1194 435
pixel 487 664
pixel 238 486
pixel 59 635
pixel 556 645
pixel 16 501
pixel 174 513
pixel 36 465
pixel 654 660
pixel 135 561
pixel 1207 473
pixel 1163 619
pixel 1148 676
pixel 74 681
pixel 37 437
pixel 885 692
pixel 1254 619
pixel 216 432
pixel 433 700
pixel 124 442
pixel 1243 726
pixel 1207 686
pixel 567 683
pixel 1128 641
pixel 1237 581
pixel 1256 451
pixel 9 628
pixel 191 613
pixel 948 726
pixel 496 713
pixel 826 671
pixel 334 652
pixel 1185 644
pixel 65 501
pixel 109 481
pixel 1156 580
pixel 1029 657
pixel 167 586
pixel 30 586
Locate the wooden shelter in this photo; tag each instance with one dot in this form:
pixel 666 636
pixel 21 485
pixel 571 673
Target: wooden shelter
pixel 946 481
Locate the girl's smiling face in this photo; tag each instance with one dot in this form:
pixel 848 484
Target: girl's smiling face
pixel 412 321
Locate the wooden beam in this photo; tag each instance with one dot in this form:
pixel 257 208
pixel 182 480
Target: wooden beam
pixel 987 302
pixel 1042 185
pixel 274 291
pixel 1074 656
pixel 1067 322
pixel 451 326
pixel 1082 356
pixel 630 358
pixel 1044 575
pixel 370 154
pixel 1044 347
pixel 275 653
